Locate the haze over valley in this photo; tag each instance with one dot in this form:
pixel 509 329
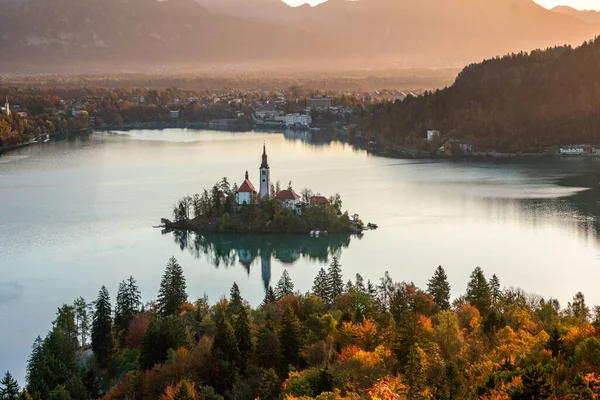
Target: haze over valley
pixel 258 35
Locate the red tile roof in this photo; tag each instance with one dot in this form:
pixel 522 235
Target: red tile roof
pixel 287 194
pixel 247 187
pixel 319 200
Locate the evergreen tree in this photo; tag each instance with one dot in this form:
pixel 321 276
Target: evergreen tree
pixel 185 391
pixel 320 286
pixel 235 300
pixel 371 290
pixel 555 342
pixel 580 389
pixel 129 301
pixel 9 388
pixel 360 283
pixel 289 336
pixel 495 289
pixel 335 283
pixel 536 384
pixel 324 382
pixel 162 335
pixel 479 293
pixel 270 296
pixel 102 341
pixel 225 345
pixel 243 336
pixel 65 321
pixel 270 386
pixel 82 320
pixel 284 287
pixel 268 348
pixel 578 309
pixel 439 288
pixel 172 295
pixel 385 289
pixel 35 381
pixel 414 373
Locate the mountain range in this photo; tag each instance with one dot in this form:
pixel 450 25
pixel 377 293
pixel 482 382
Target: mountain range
pixel 40 35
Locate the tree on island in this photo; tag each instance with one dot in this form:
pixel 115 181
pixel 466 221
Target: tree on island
pixel 439 288
pixel 335 284
pixel 9 388
pixel 172 295
pixel 285 286
pixel 102 340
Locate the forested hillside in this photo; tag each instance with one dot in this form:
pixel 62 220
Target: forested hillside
pixel 518 103
pixel 351 340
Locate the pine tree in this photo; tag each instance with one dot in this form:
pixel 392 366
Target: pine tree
pixel 270 296
pixel 268 348
pixel 580 389
pixel 243 336
pixel 35 381
pixel 479 293
pixel 284 287
pixel 225 345
pixel 185 391
pixel 270 386
pixel 65 321
pixel 129 301
pixel 439 288
pixel 235 300
pixel 9 388
pixel 555 342
pixel 414 373
pixel 289 336
pixel 320 286
pixel 172 295
pixel 385 289
pixel 495 289
pixel 578 309
pixel 335 283
pixel 102 341
pixel 82 320
pixel 360 283
pixel 162 335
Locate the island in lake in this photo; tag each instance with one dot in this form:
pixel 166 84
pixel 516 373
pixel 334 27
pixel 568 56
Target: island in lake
pixel 232 209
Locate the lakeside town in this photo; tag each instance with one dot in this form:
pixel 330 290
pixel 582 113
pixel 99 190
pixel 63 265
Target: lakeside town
pixel 31 117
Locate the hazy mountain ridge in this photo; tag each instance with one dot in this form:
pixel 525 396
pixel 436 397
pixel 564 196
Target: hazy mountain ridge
pixel 387 33
pixel 589 16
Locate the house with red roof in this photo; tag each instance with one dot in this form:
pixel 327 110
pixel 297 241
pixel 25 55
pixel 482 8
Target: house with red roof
pixel 318 201
pixel 290 199
pixel 246 192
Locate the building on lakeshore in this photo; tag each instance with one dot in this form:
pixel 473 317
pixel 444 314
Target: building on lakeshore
pixel 6 108
pixel 572 150
pixel 432 134
pixel 318 201
pixel 174 114
pixel 319 103
pixel 265 175
pixel 303 120
pixel 246 192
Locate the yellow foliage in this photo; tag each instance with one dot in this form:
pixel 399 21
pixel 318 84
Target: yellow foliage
pixel 387 389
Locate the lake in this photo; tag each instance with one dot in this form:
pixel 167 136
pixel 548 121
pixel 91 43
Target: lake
pixel 79 214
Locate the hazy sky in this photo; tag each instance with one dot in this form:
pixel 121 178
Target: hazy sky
pixel 580 4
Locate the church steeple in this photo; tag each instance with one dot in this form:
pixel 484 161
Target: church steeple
pixel 264 164
pixel 246 175
pixel 265 175
pixel 7 107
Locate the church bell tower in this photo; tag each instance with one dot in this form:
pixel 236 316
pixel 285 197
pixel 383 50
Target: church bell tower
pixel 264 175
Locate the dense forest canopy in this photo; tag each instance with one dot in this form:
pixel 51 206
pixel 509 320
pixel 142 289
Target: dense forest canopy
pixel 517 103
pixel 353 340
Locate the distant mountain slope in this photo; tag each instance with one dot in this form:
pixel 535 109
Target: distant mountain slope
pixel 41 34
pixel 586 15
pixel 522 102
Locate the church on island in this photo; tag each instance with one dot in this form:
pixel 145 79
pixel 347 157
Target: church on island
pixel 247 194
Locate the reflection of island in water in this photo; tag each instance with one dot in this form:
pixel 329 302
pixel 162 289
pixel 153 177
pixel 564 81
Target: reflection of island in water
pixel 228 249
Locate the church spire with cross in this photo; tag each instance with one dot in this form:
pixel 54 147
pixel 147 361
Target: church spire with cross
pixel 7 107
pixel 264 175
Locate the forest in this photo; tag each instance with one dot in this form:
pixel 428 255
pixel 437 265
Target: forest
pixel 343 339
pixel 519 103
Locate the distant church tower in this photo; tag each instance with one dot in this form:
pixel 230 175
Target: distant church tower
pixel 6 107
pixel 264 175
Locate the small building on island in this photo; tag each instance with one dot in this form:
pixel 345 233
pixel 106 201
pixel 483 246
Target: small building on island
pixel 318 200
pixel 289 199
pixel 246 192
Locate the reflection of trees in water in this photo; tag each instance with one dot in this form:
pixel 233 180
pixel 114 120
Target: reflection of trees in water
pixel 225 250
